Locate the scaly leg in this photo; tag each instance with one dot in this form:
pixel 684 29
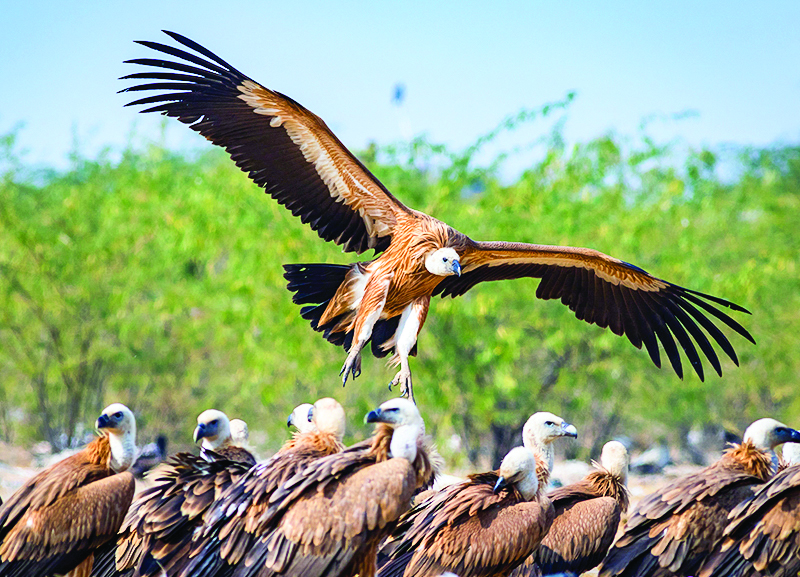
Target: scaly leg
pixel 369 312
pixel 408 328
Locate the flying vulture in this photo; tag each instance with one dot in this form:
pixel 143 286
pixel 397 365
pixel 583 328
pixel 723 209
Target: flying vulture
pixel 330 517
pixel 293 155
pixel 482 527
pixel 587 515
pixel 763 534
pixel 673 530
pixel 55 521
pixel 538 435
pixel 158 528
pixel 234 521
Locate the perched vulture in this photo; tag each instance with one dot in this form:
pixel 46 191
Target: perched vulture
pixel 587 515
pixel 294 156
pixel 330 517
pixel 158 528
pixel 538 435
pixel 235 521
pixel 55 521
pixel 673 530
pixel 300 418
pixel 214 428
pixel 763 534
pixel 482 527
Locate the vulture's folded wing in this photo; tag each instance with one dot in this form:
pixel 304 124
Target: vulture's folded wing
pixel 60 535
pixel 283 147
pixel 610 293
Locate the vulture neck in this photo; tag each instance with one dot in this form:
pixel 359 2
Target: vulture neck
pixel 123 449
pixel 750 459
pixel 404 442
pixel 545 456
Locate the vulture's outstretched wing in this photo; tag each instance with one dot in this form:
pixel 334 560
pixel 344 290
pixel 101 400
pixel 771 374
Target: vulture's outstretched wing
pixel 610 293
pixel 284 148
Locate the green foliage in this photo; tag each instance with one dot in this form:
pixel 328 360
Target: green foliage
pixel 156 281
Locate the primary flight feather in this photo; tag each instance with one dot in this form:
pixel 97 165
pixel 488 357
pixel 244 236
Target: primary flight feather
pixel 293 155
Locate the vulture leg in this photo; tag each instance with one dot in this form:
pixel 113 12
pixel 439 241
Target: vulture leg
pixel 408 328
pixel 369 312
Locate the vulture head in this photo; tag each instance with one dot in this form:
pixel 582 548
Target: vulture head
pixel 614 459
pixel 403 416
pixel 519 468
pixel 791 454
pixel 240 434
pixel 118 423
pixel 300 418
pixel 327 416
pixel 766 434
pixel 443 262
pixel 214 428
pixel 544 428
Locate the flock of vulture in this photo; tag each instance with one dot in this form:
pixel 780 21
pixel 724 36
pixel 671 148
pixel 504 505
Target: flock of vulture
pixel 317 508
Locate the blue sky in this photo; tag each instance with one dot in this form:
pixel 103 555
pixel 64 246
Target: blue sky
pixel 465 66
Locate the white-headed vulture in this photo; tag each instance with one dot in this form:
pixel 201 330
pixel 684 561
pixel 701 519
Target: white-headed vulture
pixel 52 525
pixel 158 528
pixel 293 155
pixel 673 530
pixel 483 527
pixel 587 515
pixel 763 535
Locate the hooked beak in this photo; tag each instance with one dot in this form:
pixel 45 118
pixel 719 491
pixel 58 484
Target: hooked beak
pixel 501 482
pixel 199 432
pixel 569 430
pixel 289 421
pixel 374 416
pixel 789 436
pixel 103 422
pixel 456 266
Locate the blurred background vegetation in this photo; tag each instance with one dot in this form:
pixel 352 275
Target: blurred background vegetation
pixel 155 279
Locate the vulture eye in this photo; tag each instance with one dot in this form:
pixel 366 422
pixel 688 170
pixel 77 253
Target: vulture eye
pixel 392 410
pixel 214 422
pixel 444 259
pixel 118 415
pixel 549 424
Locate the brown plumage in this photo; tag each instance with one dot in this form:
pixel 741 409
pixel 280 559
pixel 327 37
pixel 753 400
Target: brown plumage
pixel 329 518
pixel 587 515
pixel 225 536
pixel 55 521
pixel 673 530
pixel 483 527
pixel 157 531
pixel 763 535
pixel 293 155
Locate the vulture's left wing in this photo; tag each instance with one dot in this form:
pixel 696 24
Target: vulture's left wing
pixel 606 291
pixel 282 146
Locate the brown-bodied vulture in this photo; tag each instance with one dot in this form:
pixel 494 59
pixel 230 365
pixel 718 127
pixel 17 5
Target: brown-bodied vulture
pixel 673 530
pixel 293 155
pixel 234 522
pixel 763 535
pixel 483 527
pixel 158 528
pixel 330 517
pixel 587 515
pixel 52 525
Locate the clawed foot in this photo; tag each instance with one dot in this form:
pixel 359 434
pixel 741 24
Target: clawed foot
pixel 403 378
pixel 351 366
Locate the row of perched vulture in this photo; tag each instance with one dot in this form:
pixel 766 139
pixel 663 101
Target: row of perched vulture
pixel 317 508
